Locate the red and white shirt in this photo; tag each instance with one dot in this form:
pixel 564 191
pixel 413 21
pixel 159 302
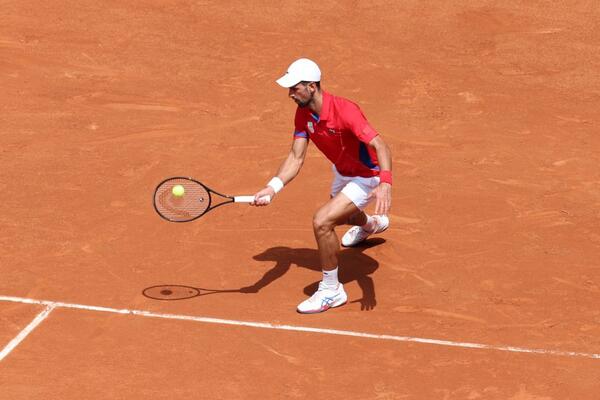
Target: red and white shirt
pixel 342 133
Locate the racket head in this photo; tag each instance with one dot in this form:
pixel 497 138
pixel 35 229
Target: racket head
pixel 171 292
pixel 194 202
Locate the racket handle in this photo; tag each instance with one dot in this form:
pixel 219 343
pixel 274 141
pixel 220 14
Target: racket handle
pixel 249 199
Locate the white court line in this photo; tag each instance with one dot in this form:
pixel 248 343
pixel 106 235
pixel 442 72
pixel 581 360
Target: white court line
pixel 26 331
pixel 265 325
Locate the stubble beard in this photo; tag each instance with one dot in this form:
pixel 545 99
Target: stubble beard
pixel 305 103
pixel 302 104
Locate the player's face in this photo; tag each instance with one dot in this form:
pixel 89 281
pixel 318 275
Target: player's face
pixel 302 94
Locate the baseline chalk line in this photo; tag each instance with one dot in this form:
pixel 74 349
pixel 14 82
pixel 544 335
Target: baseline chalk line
pixel 265 325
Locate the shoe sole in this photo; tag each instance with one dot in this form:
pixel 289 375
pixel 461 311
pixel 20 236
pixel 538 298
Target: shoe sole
pixel 321 310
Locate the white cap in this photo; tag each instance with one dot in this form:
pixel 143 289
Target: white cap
pixel 301 70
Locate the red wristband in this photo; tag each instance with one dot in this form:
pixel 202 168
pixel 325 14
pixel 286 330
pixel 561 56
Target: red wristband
pixel 385 177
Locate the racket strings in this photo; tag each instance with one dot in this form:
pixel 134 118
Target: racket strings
pixel 194 201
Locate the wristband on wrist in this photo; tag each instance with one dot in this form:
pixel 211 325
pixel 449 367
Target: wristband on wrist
pixel 385 177
pixel 276 184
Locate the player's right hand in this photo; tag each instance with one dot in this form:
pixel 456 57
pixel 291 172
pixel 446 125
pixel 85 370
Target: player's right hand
pixel 259 199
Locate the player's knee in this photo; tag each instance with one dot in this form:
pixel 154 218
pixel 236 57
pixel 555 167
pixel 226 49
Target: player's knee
pixel 321 223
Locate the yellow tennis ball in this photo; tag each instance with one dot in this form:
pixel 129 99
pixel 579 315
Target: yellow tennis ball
pixel 178 190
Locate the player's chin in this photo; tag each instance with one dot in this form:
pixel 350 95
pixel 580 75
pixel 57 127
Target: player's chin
pixel 301 104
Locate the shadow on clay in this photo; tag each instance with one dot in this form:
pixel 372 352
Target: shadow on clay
pixel 355 266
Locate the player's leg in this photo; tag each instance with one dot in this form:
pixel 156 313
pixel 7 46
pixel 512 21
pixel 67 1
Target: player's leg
pixel 335 212
pixel 364 224
pixel 358 218
pixel 330 292
pixel 349 196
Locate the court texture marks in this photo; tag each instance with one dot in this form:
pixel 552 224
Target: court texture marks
pixel 485 286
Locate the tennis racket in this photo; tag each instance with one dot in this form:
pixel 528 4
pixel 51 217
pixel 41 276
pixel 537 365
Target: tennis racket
pixel 180 292
pixel 195 200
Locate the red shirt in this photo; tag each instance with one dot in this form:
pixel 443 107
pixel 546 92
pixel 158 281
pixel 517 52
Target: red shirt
pixel 342 133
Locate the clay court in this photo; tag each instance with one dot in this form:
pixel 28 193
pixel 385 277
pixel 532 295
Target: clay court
pixel 485 286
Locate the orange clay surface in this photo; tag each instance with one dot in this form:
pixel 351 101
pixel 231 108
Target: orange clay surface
pixel 491 111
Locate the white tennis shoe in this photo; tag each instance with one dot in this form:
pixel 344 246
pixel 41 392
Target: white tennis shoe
pixel 357 234
pixel 323 299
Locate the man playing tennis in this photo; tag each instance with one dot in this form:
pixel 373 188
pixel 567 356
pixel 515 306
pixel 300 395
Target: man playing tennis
pixel 362 168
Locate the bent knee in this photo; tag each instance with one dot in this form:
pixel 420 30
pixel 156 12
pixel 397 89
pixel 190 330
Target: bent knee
pixel 322 223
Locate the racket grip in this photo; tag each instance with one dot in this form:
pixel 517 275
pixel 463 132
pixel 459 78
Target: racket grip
pixel 249 199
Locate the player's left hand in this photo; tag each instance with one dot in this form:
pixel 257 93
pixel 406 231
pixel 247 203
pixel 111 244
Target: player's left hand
pixel 383 198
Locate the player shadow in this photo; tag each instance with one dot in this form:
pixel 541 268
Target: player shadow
pixel 354 266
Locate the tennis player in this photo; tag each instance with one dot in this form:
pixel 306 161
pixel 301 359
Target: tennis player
pixel 362 170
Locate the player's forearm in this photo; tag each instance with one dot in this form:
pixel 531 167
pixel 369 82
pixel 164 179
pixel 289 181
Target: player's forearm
pixel 293 163
pixel 384 155
pixel 290 168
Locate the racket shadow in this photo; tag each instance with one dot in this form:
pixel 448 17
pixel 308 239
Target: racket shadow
pixel 171 292
pixel 355 266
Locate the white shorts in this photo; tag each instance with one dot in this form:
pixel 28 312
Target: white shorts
pixel 356 188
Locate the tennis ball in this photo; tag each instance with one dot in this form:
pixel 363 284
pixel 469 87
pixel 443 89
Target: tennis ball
pixel 178 190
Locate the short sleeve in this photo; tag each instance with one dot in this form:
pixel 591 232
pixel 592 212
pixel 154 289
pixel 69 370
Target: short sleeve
pixel 300 134
pixel 300 125
pixel 358 124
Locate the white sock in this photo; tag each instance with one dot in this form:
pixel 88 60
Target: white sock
pixel 370 225
pixel 330 278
